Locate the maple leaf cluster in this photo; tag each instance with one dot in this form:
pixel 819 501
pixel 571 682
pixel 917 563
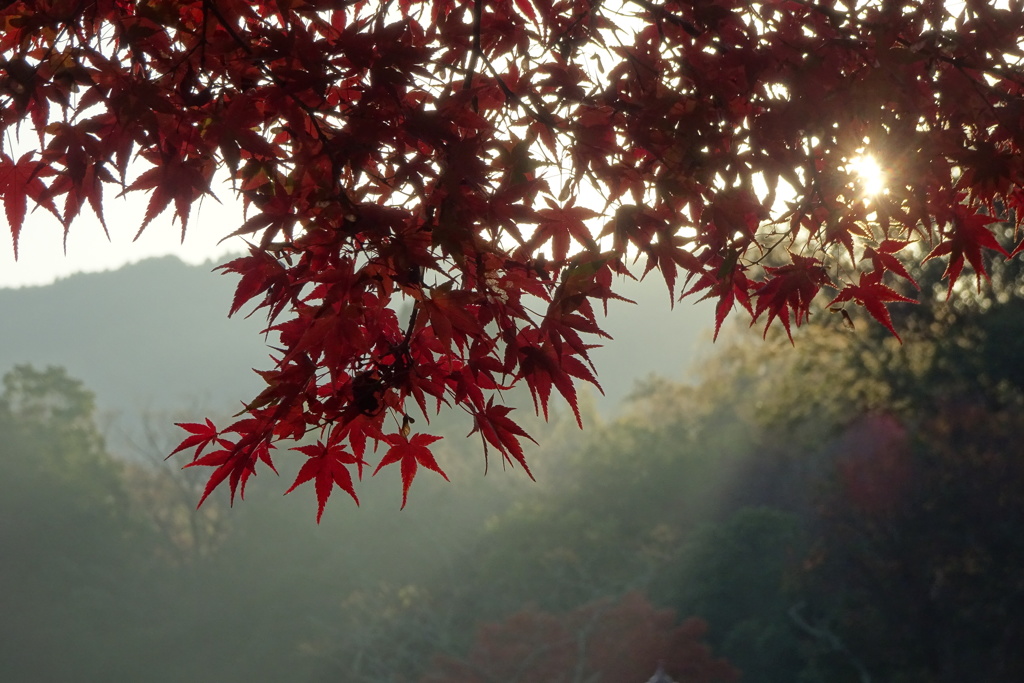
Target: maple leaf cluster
pixel 415 176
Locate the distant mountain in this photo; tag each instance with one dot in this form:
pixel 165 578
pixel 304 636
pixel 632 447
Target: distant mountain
pixel 155 336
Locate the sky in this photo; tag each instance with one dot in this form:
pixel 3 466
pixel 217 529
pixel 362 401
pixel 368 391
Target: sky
pixel 42 258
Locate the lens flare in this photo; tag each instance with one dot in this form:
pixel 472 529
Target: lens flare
pixel 869 174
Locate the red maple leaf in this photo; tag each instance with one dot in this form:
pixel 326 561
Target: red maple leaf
pixel 84 174
pixel 357 429
pixel 669 251
pixel 561 225
pixel 260 272
pixel 790 289
pixel 20 181
pixel 966 238
pixel 883 258
pixel 726 280
pixel 234 463
pixel 499 431
pixel 543 366
pixel 873 295
pixel 411 453
pixel 452 315
pixel 328 465
pixel 201 436
pixel 171 178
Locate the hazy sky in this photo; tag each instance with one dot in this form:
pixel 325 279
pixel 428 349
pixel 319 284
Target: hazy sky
pixel 41 257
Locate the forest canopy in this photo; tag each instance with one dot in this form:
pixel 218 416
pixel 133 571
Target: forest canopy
pixel 440 195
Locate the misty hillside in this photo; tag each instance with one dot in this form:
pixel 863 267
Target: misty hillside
pixel 155 336
pixel 851 502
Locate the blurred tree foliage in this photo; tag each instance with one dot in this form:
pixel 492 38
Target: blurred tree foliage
pixel 602 641
pixel 64 525
pixel 844 509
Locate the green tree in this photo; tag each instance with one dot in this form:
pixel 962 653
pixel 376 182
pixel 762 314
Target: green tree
pixel 741 576
pixel 71 559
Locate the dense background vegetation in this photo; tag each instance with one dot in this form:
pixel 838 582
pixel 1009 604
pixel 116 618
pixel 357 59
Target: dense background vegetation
pixel 845 509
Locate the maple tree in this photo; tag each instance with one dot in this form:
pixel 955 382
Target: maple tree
pixel 603 640
pixel 416 173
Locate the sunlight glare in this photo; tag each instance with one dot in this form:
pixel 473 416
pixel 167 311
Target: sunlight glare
pixel 869 173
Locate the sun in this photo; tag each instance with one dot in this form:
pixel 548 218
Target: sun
pixel 869 173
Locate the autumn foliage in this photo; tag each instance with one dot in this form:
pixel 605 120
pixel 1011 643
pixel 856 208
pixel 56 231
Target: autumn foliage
pixel 622 640
pixel 440 195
